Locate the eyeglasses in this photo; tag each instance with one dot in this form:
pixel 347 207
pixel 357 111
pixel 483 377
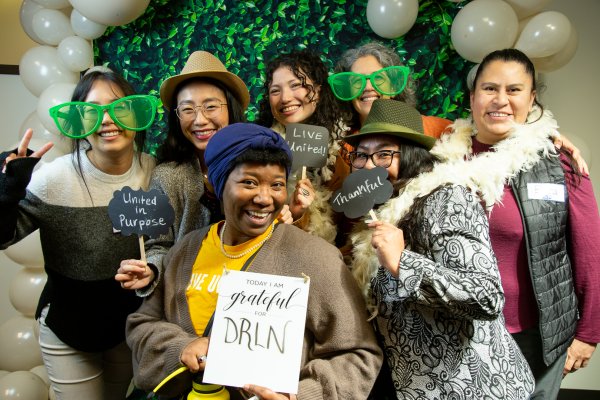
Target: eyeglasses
pixel 388 81
pixel 188 112
pixel 381 158
pixel 78 119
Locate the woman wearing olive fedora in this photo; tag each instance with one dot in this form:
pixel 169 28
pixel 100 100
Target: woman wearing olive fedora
pixel 427 266
pixel 201 100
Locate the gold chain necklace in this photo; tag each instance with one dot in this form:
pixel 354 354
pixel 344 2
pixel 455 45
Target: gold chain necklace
pixel 250 250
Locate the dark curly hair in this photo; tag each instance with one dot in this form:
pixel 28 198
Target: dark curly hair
pixel 305 65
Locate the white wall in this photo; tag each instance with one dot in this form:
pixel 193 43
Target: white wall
pixel 572 94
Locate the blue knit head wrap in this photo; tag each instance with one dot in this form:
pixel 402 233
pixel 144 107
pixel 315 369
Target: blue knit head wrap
pixel 228 143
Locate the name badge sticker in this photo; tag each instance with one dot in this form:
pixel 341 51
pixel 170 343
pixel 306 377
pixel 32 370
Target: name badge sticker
pixel 546 191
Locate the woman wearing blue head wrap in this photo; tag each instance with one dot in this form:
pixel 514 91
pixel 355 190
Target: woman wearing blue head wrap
pixel 248 166
pixel 233 141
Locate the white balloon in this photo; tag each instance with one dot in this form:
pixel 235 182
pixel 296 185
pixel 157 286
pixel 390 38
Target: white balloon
pixel 41 67
pixel 112 12
pixel 76 53
pixel 55 94
pixel 525 8
pixel 544 35
pixel 27 252
pixel 40 371
pixel 560 59
pixel 51 26
pixel 471 77
pixel 53 153
pixel 54 4
pixel 391 19
pixel 19 347
pixel 25 290
pixel 23 385
pixel 60 141
pixel 86 28
pixel 28 9
pixel 483 26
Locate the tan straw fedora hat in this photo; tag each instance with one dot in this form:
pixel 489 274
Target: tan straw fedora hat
pixel 202 64
pixel 395 118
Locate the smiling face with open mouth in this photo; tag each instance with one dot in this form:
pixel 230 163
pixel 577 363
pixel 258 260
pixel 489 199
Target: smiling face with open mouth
pixel 199 129
pixel 289 98
pixel 253 196
pixel 109 138
pixel 503 95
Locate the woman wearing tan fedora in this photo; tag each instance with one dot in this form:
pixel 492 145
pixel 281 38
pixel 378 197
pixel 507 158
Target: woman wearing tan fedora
pixel 201 100
pixel 427 266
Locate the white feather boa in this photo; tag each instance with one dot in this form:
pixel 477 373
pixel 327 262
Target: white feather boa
pixel 484 174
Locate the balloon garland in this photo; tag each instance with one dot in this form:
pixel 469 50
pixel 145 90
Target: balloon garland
pixel 482 26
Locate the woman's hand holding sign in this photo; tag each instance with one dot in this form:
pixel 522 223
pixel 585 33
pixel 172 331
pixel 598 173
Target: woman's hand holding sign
pixel 264 393
pixel 22 149
pixel 388 242
pixel 134 274
pixel 302 197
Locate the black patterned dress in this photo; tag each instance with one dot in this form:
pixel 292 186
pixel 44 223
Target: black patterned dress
pixel 441 320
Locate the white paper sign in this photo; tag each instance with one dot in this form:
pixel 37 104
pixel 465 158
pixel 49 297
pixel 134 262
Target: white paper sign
pixel 258 331
pixel 546 191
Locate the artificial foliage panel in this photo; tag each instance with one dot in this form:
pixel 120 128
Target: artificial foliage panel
pixel 244 35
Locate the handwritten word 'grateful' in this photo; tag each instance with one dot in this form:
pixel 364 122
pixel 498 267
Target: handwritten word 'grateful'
pixel 366 187
pixel 262 299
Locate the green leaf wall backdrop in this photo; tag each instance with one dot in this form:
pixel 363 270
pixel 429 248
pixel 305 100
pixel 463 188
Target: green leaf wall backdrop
pixel 244 35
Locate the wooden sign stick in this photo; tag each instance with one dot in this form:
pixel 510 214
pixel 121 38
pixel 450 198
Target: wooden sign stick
pixel 142 249
pixel 373 215
pixel 304 172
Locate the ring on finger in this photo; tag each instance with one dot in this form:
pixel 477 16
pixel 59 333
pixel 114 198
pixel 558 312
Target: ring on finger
pixel 201 358
pixel 304 192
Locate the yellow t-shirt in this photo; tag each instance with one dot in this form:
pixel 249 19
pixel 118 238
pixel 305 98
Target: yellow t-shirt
pixel 202 291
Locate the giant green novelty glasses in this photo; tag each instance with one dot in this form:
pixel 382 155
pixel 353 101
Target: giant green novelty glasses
pixel 79 119
pixel 388 81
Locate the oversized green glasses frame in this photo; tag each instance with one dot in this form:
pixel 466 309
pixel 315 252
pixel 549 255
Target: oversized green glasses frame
pixel 388 81
pixel 78 119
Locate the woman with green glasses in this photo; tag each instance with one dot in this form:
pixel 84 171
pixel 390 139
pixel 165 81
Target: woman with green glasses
pixel 374 71
pixel 82 309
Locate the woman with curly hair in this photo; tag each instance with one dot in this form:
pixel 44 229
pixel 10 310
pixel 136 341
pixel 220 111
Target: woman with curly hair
pixel 296 91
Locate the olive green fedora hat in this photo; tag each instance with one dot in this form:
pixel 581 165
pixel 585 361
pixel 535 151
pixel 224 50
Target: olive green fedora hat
pixel 395 118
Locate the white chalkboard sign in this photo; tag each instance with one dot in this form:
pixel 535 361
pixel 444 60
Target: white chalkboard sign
pixel 258 331
pixel 360 192
pixel 309 144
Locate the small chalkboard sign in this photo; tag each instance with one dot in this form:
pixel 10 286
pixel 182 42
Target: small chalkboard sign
pixel 360 192
pixel 140 212
pixel 309 144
